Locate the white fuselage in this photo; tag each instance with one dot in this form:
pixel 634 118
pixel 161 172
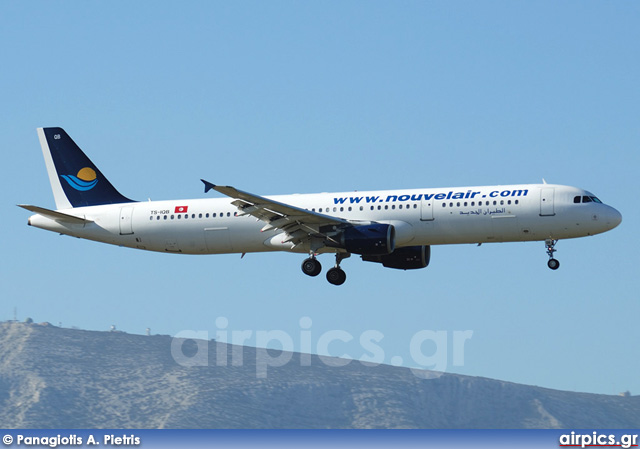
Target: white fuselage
pixel 420 217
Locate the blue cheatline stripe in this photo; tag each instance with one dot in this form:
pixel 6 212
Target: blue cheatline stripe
pixel 78 183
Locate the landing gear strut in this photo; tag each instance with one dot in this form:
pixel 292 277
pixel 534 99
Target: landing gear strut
pixel 553 263
pixel 336 275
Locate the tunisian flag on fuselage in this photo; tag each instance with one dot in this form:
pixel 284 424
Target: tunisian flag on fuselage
pixel 181 209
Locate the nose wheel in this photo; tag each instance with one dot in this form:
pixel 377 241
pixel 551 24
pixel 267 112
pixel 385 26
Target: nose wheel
pixel 554 264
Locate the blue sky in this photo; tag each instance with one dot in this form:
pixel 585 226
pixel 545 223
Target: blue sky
pixel 283 97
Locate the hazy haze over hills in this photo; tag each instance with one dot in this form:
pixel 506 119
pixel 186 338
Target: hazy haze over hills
pixel 52 377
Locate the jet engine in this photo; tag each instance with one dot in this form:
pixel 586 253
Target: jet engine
pixel 375 239
pixel 407 258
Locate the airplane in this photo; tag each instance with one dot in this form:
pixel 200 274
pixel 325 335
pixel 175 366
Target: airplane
pixel 395 228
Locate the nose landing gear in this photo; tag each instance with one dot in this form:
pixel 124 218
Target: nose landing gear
pixel 554 264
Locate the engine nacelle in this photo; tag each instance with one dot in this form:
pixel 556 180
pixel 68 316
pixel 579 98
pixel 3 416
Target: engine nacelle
pixel 407 258
pixel 375 239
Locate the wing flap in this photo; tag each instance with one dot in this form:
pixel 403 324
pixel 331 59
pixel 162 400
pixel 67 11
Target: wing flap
pixel 271 207
pixel 298 224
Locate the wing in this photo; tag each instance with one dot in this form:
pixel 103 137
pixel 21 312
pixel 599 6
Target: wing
pixel 300 225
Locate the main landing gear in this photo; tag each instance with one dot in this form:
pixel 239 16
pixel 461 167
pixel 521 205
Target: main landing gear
pixel 554 264
pixel 335 276
pixel 311 266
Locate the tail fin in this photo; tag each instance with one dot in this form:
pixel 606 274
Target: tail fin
pixel 75 180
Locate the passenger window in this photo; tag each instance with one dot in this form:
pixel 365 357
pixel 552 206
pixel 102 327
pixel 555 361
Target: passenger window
pixel 213 215
pixel 361 208
pixel 473 203
pixel 150 218
pixel 393 206
pixel 228 214
pixel 400 206
pixel 450 204
pixel 415 206
pixel 172 217
pixel 165 217
pixel 517 201
pixel 379 207
pixel 586 199
pixel 502 202
pixel 444 204
pixel 342 209
pixel 576 199
pixel 158 217
pixel 465 204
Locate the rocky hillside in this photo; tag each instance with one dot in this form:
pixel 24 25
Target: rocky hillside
pixel 52 377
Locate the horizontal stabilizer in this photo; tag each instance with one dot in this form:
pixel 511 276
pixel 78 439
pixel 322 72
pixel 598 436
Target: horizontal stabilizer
pixel 54 215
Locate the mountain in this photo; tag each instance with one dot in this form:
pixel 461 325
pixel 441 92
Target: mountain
pixel 52 377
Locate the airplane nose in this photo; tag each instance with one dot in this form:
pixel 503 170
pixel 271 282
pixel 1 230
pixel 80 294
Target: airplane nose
pixel 614 218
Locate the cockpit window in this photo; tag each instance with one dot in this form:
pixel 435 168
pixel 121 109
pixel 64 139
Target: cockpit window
pixel 586 199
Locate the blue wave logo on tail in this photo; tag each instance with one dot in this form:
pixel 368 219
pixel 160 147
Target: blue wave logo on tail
pixel 85 180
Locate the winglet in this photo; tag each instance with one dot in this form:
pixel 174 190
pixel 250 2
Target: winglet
pixel 207 185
